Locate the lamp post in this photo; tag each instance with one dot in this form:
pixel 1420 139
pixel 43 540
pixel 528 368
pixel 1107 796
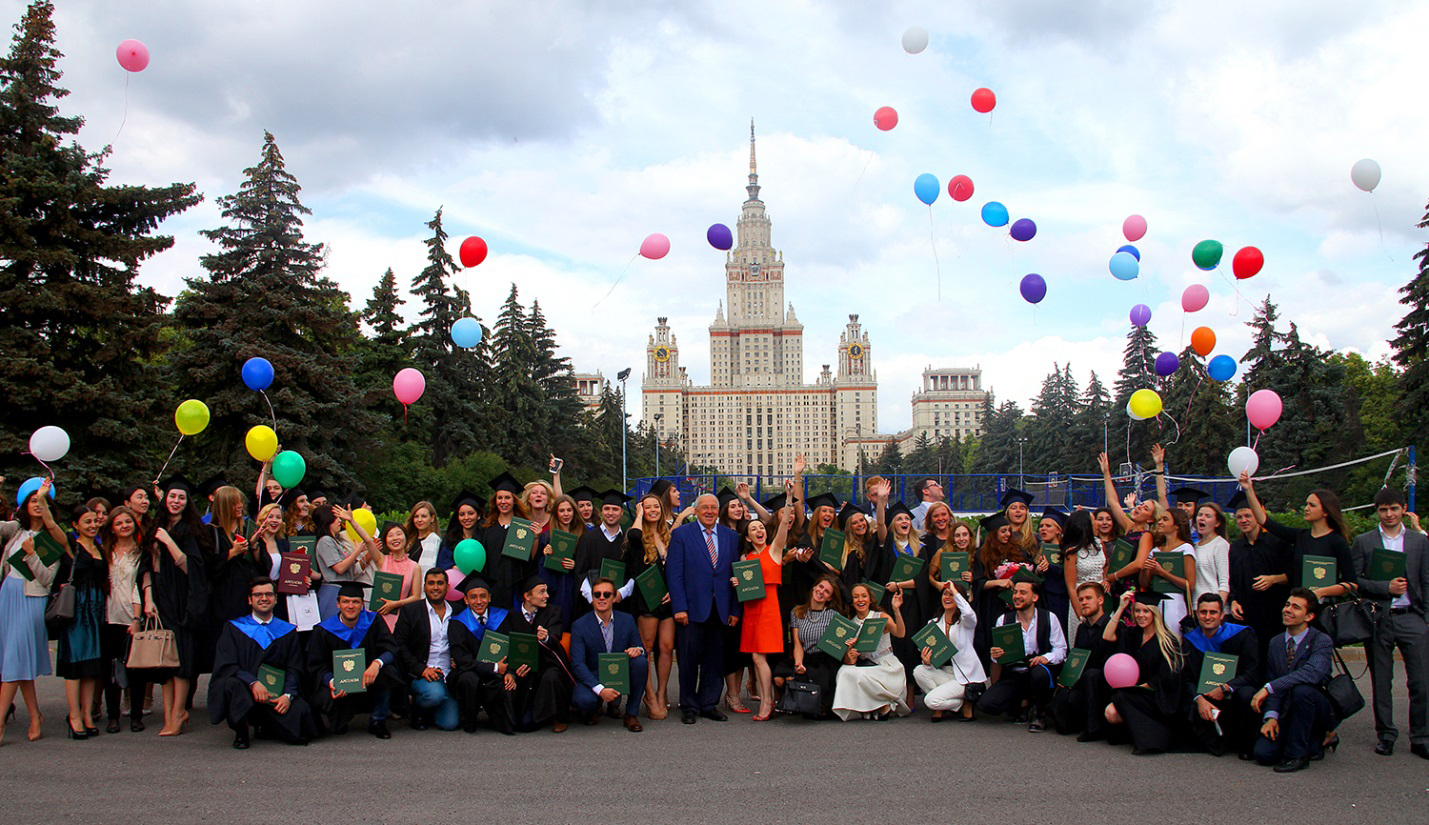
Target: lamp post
pixel 657 418
pixel 1106 422
pixel 624 475
pixel 1021 478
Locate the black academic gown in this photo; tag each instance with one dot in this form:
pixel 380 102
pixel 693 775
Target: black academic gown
pixel 181 598
pixel 1081 707
pixel 1152 714
pixel 476 684
pixel 371 635
pixel 988 605
pixel 1268 556
pixel 635 565
pixel 504 573
pixel 593 548
pixel 915 602
pixel 1239 725
pixel 798 579
pixel 243 647
pixel 545 695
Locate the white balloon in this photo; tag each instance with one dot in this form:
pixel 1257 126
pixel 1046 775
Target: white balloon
pixel 49 443
pixel 1134 416
pixel 915 40
pixel 1243 460
pixel 1365 174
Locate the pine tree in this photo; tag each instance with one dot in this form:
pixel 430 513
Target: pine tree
pixel 388 351
pixel 921 460
pixel 1196 427
pixel 1411 347
pixel 264 296
pixel 890 461
pixel 561 407
pixel 1138 371
pixel 78 338
pixel 998 447
pixel 1091 427
pixel 516 392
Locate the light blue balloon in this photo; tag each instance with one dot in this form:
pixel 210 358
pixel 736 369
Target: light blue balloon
pixel 1221 368
pixel 466 333
pixel 926 188
pixel 1124 266
pixel 30 486
pixel 994 214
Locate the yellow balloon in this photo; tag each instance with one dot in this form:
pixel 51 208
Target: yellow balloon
pixel 1145 403
pixel 262 442
pixel 191 417
pixel 368 522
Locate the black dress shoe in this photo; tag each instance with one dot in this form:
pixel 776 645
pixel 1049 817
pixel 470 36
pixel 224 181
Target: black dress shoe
pixel 136 724
pixel 418 722
pixel 1384 747
pixel 687 716
pixel 240 739
pixel 1292 765
pixel 592 720
pixel 714 714
pixel 1089 736
pixel 112 727
pixel 1245 756
pixel 379 729
pixel 1420 750
pixel 1037 725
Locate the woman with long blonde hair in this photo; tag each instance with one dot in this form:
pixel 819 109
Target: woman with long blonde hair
pixel 1148 711
pixel 647 542
pixel 424 532
pixel 539 498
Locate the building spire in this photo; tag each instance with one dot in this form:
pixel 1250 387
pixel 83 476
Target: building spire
pixel 753 187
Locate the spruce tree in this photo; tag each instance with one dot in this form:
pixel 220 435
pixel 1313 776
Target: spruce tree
pixel 78 338
pixel 1198 419
pixel 561 405
pixel 516 392
pixel 388 351
pixel 1138 371
pixel 1091 427
pixel 1411 348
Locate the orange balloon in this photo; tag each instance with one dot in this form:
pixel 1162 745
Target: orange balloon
pixel 1203 341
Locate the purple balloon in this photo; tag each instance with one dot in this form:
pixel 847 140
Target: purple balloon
pixel 1023 229
pixel 1140 315
pixel 1128 248
pixel 720 237
pixel 1033 288
pixel 1167 363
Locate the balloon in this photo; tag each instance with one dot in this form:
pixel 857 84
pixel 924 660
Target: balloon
pixel 1263 408
pixel 1242 460
pixel 1146 403
pixel 134 57
pixel 473 251
pixel 1167 363
pixel 1365 174
pixel 469 556
pixel 720 237
pixel 1195 297
pixel 30 486
pixel 49 444
pixel 1132 413
pixel 408 385
pixel 261 442
pixel 466 333
pixel 1023 229
pixel 960 187
pixel 257 374
pixel 984 100
pixel 994 214
pixel 655 247
pixel 366 520
pixel 1134 227
pixel 289 468
pixel 1130 250
pixel 1207 254
pixel 1033 288
pixel 885 118
pixel 1140 315
pixel 1221 368
pixel 191 417
pixel 1247 262
pixel 1121 670
pixel 1203 341
pixel 926 188
pixel 1124 266
pixel 915 40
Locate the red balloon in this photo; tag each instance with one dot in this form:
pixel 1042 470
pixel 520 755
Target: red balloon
pixel 473 251
pixel 885 118
pixel 1247 262
pixel 984 100
pixel 960 187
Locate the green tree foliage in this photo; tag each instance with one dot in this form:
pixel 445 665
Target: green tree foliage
pixel 1203 432
pixel 922 459
pixel 1132 440
pixel 1091 426
pixel 1411 347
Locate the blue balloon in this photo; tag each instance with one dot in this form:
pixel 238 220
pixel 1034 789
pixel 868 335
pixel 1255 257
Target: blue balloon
pixel 1124 266
pixel 720 237
pixel 1033 288
pixel 257 374
pixel 926 188
pixel 1221 368
pixel 466 333
pixel 1135 253
pixel 994 214
pixel 30 486
pixel 1167 363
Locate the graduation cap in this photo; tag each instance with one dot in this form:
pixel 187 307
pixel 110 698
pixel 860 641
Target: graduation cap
pixel 176 482
pixel 353 590
pixel 776 503
pixel 898 507
pixel 472 582
pixel 1056 515
pixel 823 500
pixel 354 502
pixel 466 497
pixel 613 497
pixel 662 487
pixel 582 493
pixel 295 493
pixel 210 485
pixel 846 513
pixel 993 522
pixel 506 482
pixel 1151 598
pixel 531 583
pixel 314 495
pixel 1188 495
pixel 1015 495
pixel 725 495
pixel 107 495
pixel 1025 575
pixel 1237 501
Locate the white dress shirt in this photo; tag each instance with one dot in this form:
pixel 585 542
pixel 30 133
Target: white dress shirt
pixel 439 650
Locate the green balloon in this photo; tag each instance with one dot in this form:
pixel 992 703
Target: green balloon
pixel 1207 254
pixel 289 468
pixel 469 556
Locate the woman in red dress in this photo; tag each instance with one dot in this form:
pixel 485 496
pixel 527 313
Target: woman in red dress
pixel 761 629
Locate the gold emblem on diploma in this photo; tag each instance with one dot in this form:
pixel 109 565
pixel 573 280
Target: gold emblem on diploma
pixel 1219 669
pixel 347 665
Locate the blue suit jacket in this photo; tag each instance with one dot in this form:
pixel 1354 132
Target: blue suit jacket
pixel 695 587
pixel 1311 667
pixel 587 644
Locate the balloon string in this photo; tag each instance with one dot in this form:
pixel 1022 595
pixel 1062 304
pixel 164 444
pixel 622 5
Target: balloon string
pixel 170 458
pixel 617 280
pixel 270 411
pixel 1178 429
pixel 1256 445
pixel 1238 297
pixel 1193 397
pixel 42 464
pixel 1380 224
pixel 125 118
pixel 1128 443
pixel 865 167
pixel 932 241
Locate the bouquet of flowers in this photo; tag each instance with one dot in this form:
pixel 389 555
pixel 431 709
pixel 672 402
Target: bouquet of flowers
pixel 1008 569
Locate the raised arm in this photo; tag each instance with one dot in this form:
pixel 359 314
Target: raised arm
pixel 881 492
pixel 1158 456
pixel 1109 634
pixel 556 465
pixel 776 547
pixel 1252 499
pixel 1122 519
pixel 742 490
pixel 56 532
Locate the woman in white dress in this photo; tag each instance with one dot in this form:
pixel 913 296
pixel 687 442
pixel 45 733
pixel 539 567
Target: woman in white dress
pixel 872 684
pixel 422 523
pixel 944 688
pixel 1213 554
pixel 1171 534
pixel 1084 560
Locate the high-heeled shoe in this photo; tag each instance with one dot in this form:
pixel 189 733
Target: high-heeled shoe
pixel 90 730
pixel 1333 743
pixel 736 706
pixel 75 734
pixel 181 727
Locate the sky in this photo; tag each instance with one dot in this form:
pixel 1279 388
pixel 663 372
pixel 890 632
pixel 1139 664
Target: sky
pixel 563 133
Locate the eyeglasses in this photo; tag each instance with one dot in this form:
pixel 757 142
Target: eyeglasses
pixel 610 595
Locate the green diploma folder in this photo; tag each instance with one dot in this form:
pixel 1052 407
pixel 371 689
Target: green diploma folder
pixel 1009 638
pixel 614 671
pixel 876 590
pixel 613 569
pixel 302 544
pixel 1318 571
pixel 272 679
pixel 525 650
pixel 652 586
pixel 835 639
pixel 493 647
pixel 906 568
pixel 1053 552
pixel 955 563
pixel 347 669
pixel 1385 565
pixel 1216 670
pixel 1072 668
pixel 750 580
pixel 932 636
pixel 520 540
pixel 831 549
pixel 563 546
pixel 870 634
pixel 1122 554
pixel 1175 564
pixel 46 548
pixel 385 586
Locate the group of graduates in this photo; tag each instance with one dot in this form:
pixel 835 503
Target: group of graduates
pixel 577 606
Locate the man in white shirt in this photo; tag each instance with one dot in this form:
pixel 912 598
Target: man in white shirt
pixel 1025 688
pixel 422 634
pixel 929 492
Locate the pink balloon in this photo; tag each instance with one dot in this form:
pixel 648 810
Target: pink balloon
pixel 655 247
pixel 1263 408
pixel 1133 228
pixel 454 578
pixel 133 55
pixel 1121 670
pixel 409 385
pixel 1195 297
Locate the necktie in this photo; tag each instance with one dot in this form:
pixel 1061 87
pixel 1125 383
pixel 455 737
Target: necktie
pixel 1289 651
pixel 482 619
pixel 710 543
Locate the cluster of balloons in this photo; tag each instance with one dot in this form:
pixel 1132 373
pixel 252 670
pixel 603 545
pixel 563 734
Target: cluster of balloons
pixel 1125 263
pixel 133 56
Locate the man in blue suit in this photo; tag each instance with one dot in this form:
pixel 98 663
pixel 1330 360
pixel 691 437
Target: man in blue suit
pixel 1295 710
pixel 699 568
pixel 606 630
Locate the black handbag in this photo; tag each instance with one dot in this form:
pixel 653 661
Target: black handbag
pixel 1342 693
pixel 59 613
pixel 1350 622
pixel 802 697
